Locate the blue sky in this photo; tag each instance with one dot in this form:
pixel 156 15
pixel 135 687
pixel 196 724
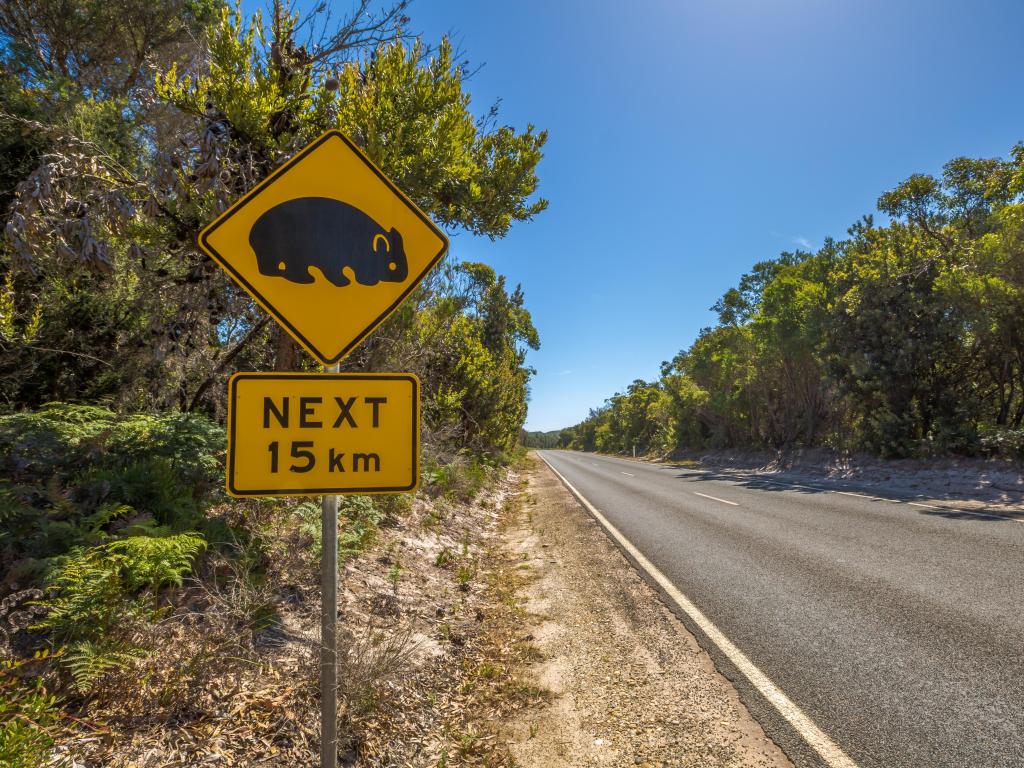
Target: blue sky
pixel 689 140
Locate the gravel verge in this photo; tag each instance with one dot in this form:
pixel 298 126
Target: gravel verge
pixel 630 684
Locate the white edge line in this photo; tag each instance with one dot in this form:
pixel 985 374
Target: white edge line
pixel 715 498
pixel 818 740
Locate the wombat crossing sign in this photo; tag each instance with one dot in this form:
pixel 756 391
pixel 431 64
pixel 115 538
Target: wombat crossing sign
pixel 330 248
pixel 327 245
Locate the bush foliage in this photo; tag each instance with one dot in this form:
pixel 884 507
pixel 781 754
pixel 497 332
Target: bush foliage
pixel 117 334
pixel 78 475
pixel 30 715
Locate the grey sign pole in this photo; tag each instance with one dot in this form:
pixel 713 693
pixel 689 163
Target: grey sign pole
pixel 329 628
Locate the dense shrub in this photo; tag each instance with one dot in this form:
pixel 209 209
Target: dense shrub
pixel 904 339
pixel 460 478
pixel 29 715
pixel 95 594
pixel 359 517
pixel 1004 443
pixel 93 587
pixel 75 475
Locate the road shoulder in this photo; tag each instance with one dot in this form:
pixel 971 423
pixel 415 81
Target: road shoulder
pixel 948 487
pixel 631 685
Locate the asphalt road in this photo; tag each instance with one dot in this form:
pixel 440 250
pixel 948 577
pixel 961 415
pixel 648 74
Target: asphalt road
pixel 897 629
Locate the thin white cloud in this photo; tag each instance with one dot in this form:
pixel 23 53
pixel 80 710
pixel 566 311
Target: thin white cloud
pixel 563 373
pixel 803 242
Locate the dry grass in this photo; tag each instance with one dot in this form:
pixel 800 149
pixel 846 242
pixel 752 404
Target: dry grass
pixel 450 711
pixel 430 650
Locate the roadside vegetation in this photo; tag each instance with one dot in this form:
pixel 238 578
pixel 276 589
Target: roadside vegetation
pixel 134 594
pixel 904 339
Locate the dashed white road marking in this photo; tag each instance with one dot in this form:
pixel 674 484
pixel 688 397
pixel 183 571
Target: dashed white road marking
pixel 629 473
pixel 715 498
pixel 830 752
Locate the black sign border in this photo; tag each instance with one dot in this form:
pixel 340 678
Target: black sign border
pixel 205 246
pixel 233 391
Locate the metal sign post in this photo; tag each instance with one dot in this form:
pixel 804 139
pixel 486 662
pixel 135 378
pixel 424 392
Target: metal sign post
pixel 329 626
pixel 327 229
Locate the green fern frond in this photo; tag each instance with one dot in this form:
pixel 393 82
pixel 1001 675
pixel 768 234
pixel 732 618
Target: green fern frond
pixel 151 563
pixel 104 515
pixel 94 588
pixel 88 661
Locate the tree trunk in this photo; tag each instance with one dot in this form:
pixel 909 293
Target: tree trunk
pixel 286 351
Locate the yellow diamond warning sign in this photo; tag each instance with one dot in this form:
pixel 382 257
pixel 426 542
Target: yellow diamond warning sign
pixel 306 434
pixel 327 245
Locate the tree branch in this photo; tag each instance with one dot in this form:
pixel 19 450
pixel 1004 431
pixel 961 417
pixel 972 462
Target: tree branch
pixel 225 361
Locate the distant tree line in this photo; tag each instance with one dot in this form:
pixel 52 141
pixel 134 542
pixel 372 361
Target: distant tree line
pixel 904 339
pixel 555 438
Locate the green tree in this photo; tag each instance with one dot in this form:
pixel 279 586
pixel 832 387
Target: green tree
pixel 903 339
pixel 474 336
pixel 101 234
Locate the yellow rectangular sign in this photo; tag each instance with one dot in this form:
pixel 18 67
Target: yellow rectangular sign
pixel 307 434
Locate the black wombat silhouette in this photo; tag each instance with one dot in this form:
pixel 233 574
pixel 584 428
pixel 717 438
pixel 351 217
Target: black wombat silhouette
pixel 330 235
